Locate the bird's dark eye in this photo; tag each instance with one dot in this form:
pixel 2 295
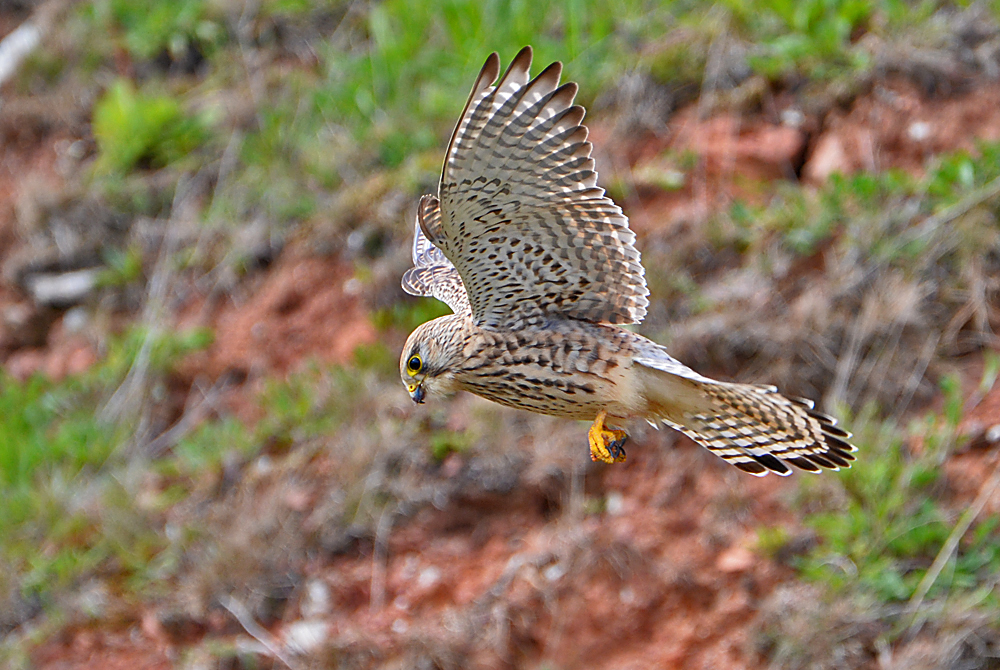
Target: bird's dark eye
pixel 414 364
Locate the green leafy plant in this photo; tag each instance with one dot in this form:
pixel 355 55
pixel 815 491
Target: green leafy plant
pixel 409 313
pixel 122 267
pixel 133 128
pixel 445 442
pixel 43 423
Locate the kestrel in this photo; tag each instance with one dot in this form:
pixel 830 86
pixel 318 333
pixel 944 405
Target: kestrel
pixel 540 271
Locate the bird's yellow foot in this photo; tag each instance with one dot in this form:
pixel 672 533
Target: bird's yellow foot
pixel 606 444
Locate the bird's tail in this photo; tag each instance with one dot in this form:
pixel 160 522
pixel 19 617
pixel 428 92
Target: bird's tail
pixel 759 430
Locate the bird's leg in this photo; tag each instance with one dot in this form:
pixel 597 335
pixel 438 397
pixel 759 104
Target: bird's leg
pixel 606 444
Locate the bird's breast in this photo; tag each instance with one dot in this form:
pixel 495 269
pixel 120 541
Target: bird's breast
pixel 572 370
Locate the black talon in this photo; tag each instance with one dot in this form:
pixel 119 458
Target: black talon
pixel 617 449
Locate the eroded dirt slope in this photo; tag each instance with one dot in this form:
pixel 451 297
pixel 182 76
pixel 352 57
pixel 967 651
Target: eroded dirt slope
pixel 519 559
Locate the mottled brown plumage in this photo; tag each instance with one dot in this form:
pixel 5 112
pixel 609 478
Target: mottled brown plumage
pixel 538 266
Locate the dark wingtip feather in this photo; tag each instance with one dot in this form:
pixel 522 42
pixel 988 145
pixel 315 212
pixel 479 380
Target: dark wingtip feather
pixel 835 438
pixel 822 461
pixel 773 464
pixel 553 70
pixel 490 70
pixel 752 467
pixel 838 458
pixel 522 61
pixel 804 463
pixel 836 431
pixel 837 444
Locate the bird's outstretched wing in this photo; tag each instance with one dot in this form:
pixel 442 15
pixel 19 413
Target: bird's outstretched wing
pixel 520 214
pixel 432 274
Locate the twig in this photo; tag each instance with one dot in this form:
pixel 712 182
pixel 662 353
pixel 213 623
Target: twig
pixel 919 368
pixel 706 103
pixel 970 514
pixel 130 394
pixel 492 605
pixel 380 557
pixel 243 29
pixel 849 361
pixel 24 39
pixel 257 632
pixel 935 221
pixel 188 421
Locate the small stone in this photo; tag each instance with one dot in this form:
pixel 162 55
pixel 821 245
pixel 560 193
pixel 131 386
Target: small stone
pixel 263 465
pixel 306 635
pixel 614 503
pixel 60 290
pixel 353 286
pixel 919 131
pixel 735 559
pixel 792 117
pixel 828 157
pixel 16 46
pixel 317 600
pixel 355 241
pixel 428 577
pixel 554 572
pixel 75 320
pixel 298 499
pixel 152 627
pixel 93 599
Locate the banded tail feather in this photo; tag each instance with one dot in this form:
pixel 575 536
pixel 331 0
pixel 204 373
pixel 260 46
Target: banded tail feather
pixel 759 431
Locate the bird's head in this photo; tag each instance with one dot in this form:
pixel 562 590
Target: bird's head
pixel 427 363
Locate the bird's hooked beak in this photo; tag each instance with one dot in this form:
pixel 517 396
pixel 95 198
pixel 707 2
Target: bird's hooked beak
pixel 417 393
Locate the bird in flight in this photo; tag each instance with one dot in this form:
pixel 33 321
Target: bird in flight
pixel 540 271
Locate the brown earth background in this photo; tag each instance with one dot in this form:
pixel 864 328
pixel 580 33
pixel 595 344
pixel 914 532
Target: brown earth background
pixel 458 534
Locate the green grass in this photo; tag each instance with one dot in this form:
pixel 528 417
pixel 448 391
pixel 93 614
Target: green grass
pixel 895 515
pixel 148 28
pixel 411 81
pixel 122 267
pixel 55 455
pixel 877 213
pixel 381 98
pixel 446 442
pixel 73 507
pixel 820 40
pixel 811 38
pixel 409 313
pixel 389 104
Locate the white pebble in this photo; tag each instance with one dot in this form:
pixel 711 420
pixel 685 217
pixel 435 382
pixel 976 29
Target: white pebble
pixel 428 577
pixel 919 131
pixel 306 635
pixel 614 504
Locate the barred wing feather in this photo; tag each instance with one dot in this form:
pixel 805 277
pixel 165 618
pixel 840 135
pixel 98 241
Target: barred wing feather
pixel 521 217
pixel 432 273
